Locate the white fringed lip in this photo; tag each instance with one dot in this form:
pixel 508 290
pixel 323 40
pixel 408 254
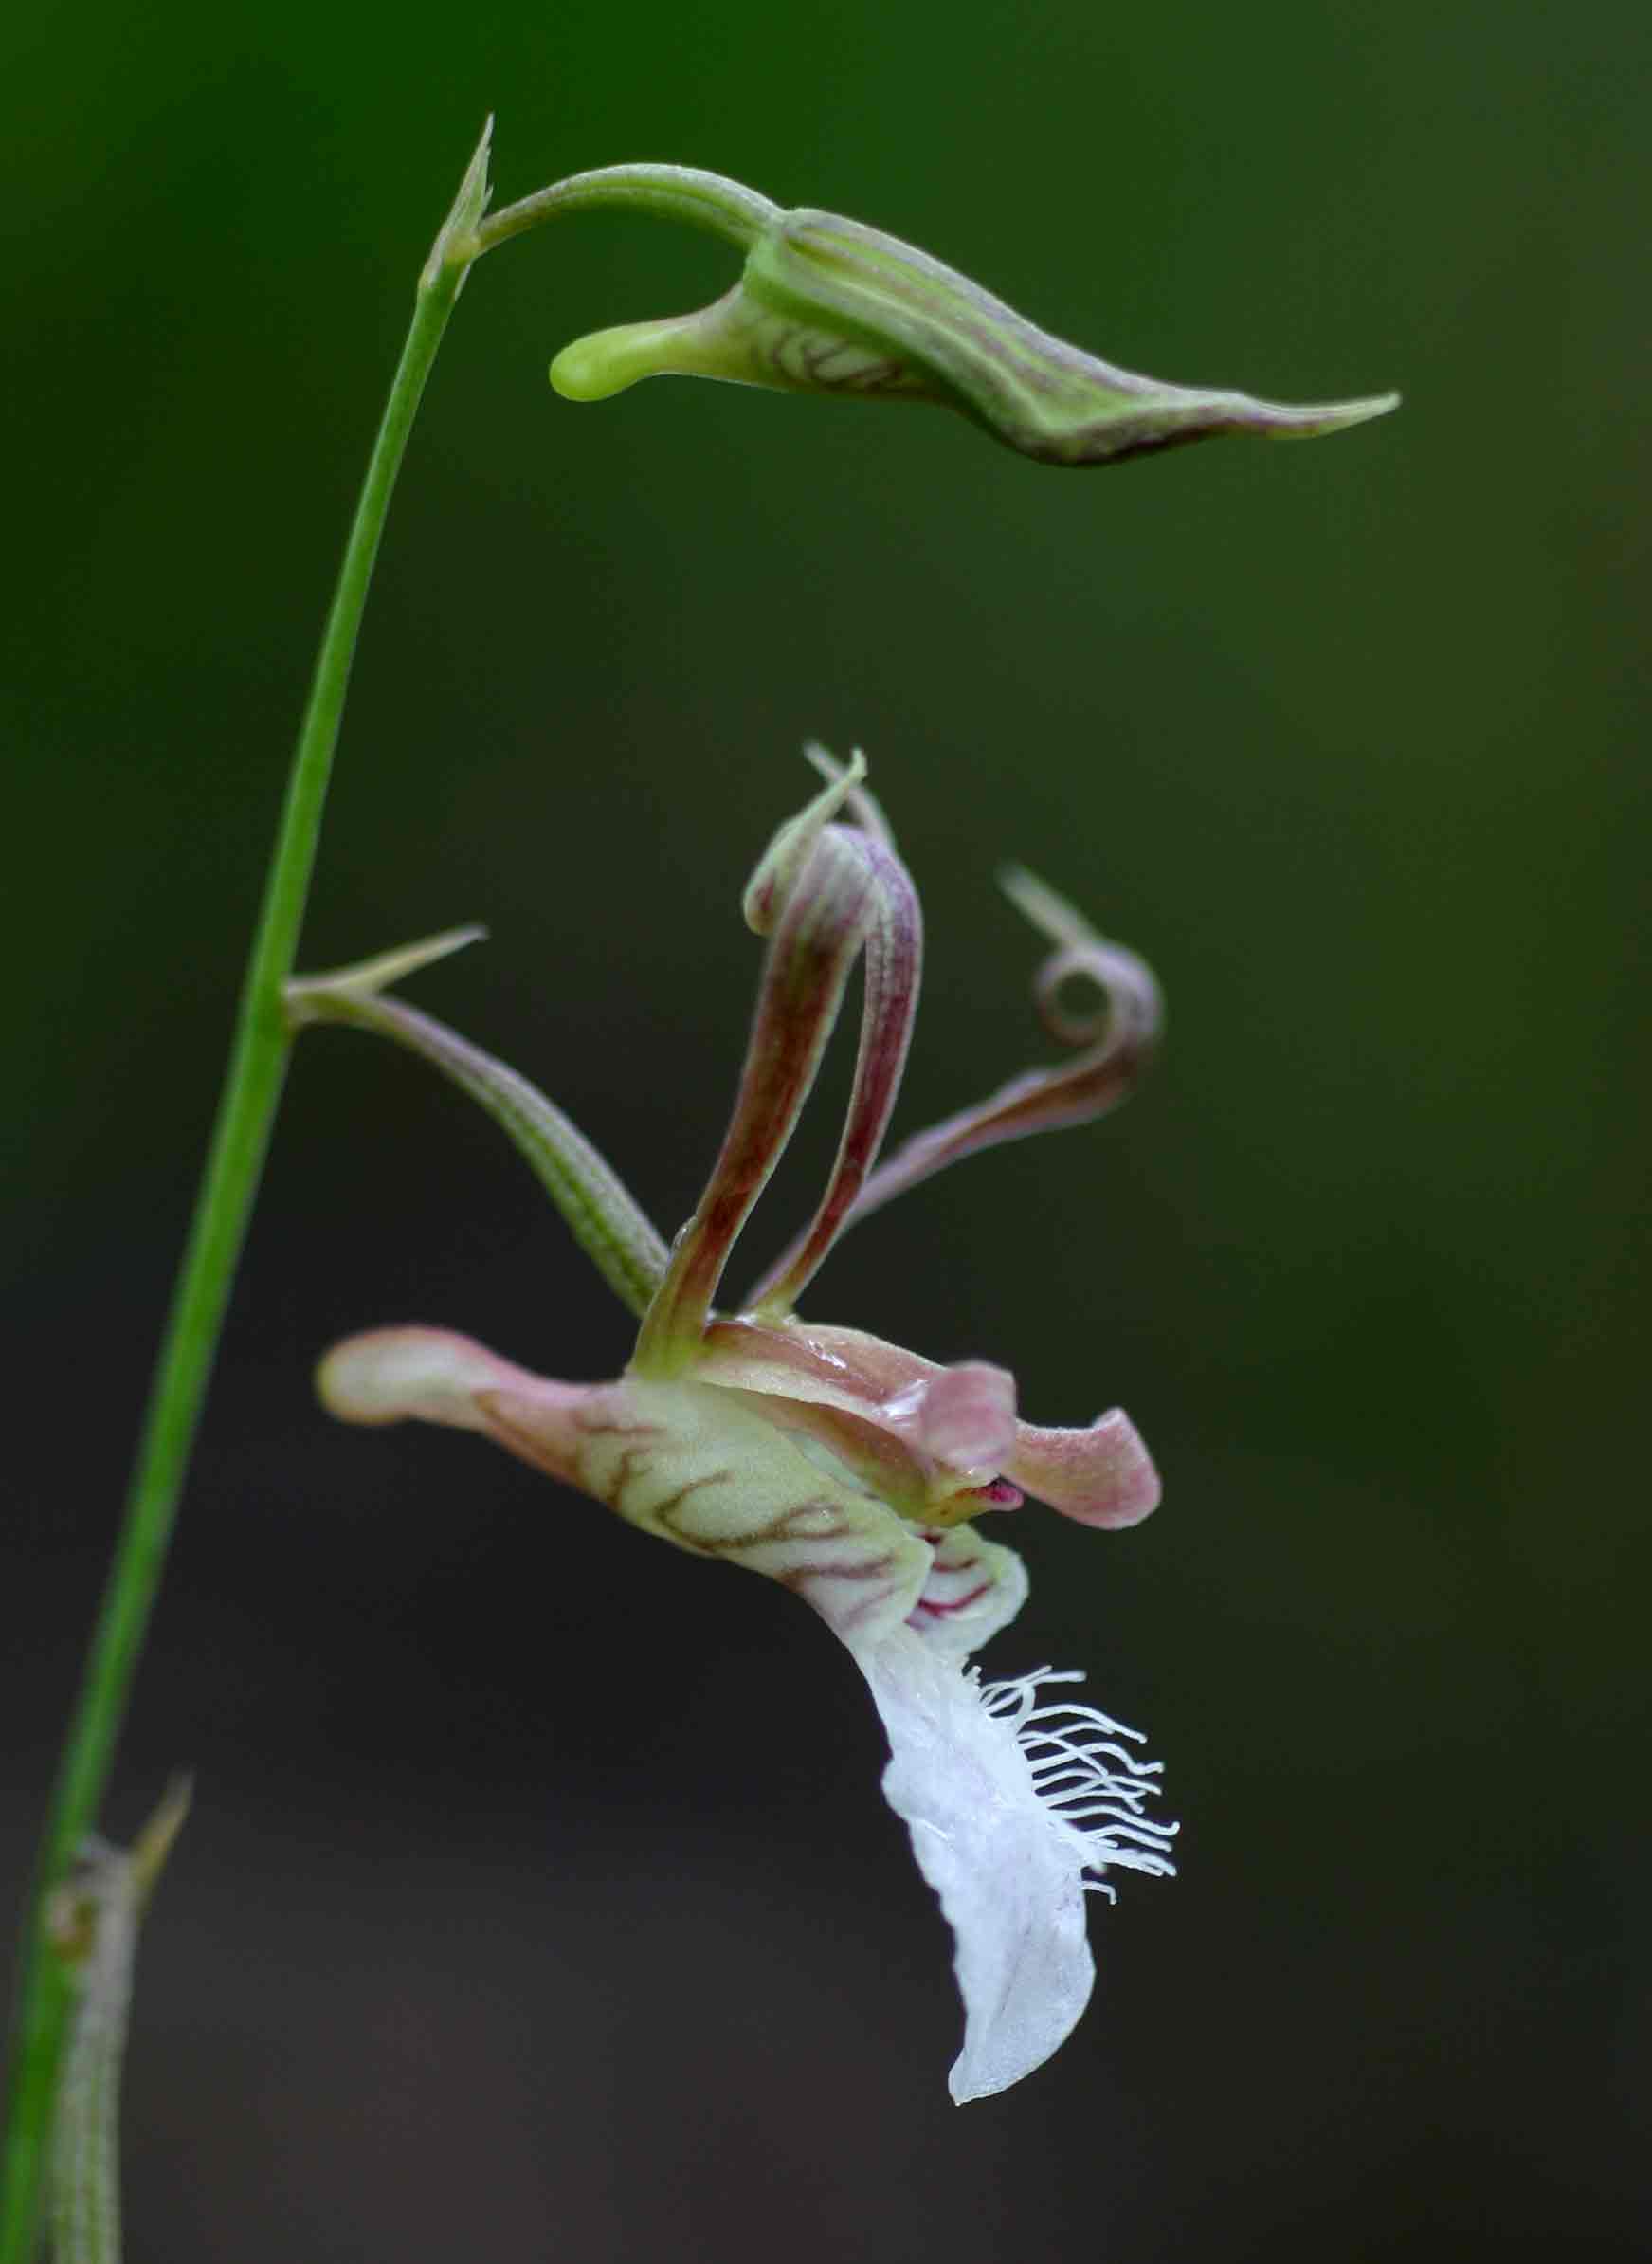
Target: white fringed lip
pixel 1014 1809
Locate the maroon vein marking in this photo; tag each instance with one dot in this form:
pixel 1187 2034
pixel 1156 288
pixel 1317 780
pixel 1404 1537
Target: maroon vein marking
pixel 959 1604
pixel 662 1512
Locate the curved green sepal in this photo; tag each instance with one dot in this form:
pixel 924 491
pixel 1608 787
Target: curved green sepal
pixel 604 1218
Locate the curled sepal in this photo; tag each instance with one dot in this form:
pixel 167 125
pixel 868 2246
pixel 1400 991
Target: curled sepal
pixel 94 1920
pixel 777 871
pixel 823 893
pixel 607 1222
pixel 828 305
pixel 1014 1808
pixel 891 972
pixel 1116 1041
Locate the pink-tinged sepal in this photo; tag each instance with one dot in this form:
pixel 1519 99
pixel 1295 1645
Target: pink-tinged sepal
pixel 1113 1043
pixel 391 1375
pixel 964 1418
pixel 437 1376
pixel 1101 1476
pixel 892 968
pixel 823 893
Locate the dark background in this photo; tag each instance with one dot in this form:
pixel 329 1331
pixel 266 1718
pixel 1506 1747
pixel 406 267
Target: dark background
pixel 538 1899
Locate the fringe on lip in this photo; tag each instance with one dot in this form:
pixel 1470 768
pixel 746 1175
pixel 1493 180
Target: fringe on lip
pixel 1086 1779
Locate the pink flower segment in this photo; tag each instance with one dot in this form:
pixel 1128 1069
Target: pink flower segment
pixel 844 1467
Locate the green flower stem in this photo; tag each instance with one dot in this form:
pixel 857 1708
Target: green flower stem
pixel 241 1138
pixel 704 200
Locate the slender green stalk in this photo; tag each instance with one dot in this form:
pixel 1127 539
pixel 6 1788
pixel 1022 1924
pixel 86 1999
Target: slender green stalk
pixel 704 200
pixel 240 1140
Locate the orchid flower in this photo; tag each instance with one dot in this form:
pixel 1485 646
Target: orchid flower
pixel 847 1468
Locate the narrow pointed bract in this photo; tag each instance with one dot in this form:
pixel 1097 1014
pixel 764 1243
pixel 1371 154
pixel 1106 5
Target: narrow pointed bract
pixel 847 1468
pixel 828 305
pixel 95 1920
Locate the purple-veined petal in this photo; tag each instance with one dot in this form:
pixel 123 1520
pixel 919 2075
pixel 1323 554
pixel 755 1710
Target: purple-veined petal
pixel 682 1460
pixel 974 1588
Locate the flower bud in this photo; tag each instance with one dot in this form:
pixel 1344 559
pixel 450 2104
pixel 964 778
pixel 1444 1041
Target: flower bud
pixel 827 305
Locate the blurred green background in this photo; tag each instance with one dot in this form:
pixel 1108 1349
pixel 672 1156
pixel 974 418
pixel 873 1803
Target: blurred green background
pixel 538 1899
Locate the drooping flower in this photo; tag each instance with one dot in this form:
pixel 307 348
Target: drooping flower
pixel 843 1465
